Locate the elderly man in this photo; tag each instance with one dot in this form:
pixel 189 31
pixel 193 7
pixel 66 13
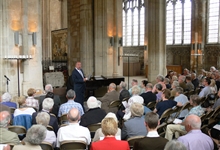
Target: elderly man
pixel 174 145
pixel 181 81
pixel 110 96
pixel 6 100
pixel 195 139
pixel 73 131
pixel 148 96
pixel 65 108
pixel 6 136
pixel 135 125
pixel 206 90
pixel 94 115
pixel 152 140
pixel 160 80
pixel 124 93
pixel 195 81
pixel 134 82
pixel 175 84
pixel 47 106
pixel 189 85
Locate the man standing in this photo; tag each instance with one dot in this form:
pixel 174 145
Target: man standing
pixel 79 80
pixel 195 139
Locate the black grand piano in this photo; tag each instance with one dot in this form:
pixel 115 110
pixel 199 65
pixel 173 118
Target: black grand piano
pixel 99 81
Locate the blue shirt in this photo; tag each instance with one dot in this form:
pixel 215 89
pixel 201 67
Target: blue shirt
pixel 10 104
pixel 164 105
pixel 65 108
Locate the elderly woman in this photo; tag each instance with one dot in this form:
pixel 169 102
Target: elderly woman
pixel 43 118
pixel 6 100
pixel 31 101
pixel 110 128
pixel 175 84
pixel 99 134
pixel 35 135
pixel 23 110
pixel 94 115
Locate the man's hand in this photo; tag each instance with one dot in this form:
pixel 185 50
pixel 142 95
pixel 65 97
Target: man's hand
pixel 7 147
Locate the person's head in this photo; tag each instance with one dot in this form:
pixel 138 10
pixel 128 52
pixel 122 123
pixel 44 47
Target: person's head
pixel 109 126
pixel 212 84
pixel 160 78
pixel 31 92
pixel 144 83
pixel 78 65
pixel 175 84
pixel 43 118
pixel 188 78
pixel 194 100
pixel 47 104
pixel 36 134
pixel 4 119
pixel 166 94
pixel 48 88
pixel 92 102
pixel 70 94
pixel 49 95
pixel 21 100
pixel 134 82
pixel 185 71
pixel 112 115
pixel 192 122
pixel 112 86
pixel 181 79
pixel 175 145
pixel 6 97
pixel 137 109
pixel 166 81
pixel 123 85
pixel 135 90
pixel 159 87
pixel 179 90
pixel 152 120
pixel 73 115
pixel 206 81
pixel 193 76
pixel 212 69
pixel 149 87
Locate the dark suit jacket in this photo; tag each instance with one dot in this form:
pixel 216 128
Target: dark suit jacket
pixel 56 99
pixel 148 97
pixel 124 94
pixel 53 121
pixel 110 143
pixel 150 143
pixel 195 82
pixel 79 86
pixel 92 116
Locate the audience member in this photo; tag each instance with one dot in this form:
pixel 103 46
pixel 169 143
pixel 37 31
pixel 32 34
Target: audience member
pixel 212 69
pixel 34 137
pixel 159 92
pixel 99 134
pixel 175 84
pixel 135 125
pixel 47 106
pixel 179 128
pixel 217 103
pixel 181 81
pixel 30 101
pixel 148 95
pixel 43 119
pixel 189 85
pixel 124 93
pixel 206 90
pixel 110 128
pixel 195 81
pixel 167 83
pixel 159 80
pixel 143 86
pixel 110 96
pixel 66 107
pixel 6 136
pixel 6 100
pixel 73 131
pixel 195 139
pixel 94 115
pixel 185 72
pixel 175 145
pixel 213 86
pixel 152 141
pixel 169 74
pixel 174 78
pixel 134 82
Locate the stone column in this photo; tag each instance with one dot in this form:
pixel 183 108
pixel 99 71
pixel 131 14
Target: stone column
pixel 156 33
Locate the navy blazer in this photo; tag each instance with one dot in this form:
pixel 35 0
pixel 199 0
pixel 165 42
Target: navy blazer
pixel 78 80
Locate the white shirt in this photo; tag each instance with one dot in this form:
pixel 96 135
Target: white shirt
pixel 153 134
pixel 28 111
pixel 73 131
pixel 80 72
pixel 51 138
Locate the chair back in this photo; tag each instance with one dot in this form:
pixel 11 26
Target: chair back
pixel 50 128
pixel 151 105
pixel 12 109
pixel 46 146
pixel 17 129
pixel 63 119
pixel 186 106
pixel 94 127
pixel 216 113
pixel 126 99
pixel 177 111
pixel 115 103
pixel 132 140
pixel 166 115
pixel 73 145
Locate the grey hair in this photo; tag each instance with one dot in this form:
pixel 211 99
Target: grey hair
pixel 4 122
pixel 112 85
pixel 175 145
pixel 183 78
pixel 48 88
pixel 70 94
pixel 135 90
pixel 36 134
pixel 111 115
pixel 149 85
pixel 48 104
pixel 166 80
pixel 179 90
pixel 160 78
pixel 175 83
pixel 123 85
pixel 43 118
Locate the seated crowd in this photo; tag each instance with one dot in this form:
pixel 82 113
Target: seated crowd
pixel 193 101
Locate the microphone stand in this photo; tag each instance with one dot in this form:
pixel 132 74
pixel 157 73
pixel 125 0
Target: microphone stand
pixel 7 83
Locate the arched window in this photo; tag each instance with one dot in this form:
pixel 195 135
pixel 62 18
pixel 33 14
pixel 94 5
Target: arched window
pixel 178 22
pixel 133 22
pixel 213 21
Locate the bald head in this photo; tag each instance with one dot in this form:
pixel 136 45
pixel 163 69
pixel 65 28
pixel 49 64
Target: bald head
pixel 73 115
pixel 112 86
pixel 192 122
pixel 4 118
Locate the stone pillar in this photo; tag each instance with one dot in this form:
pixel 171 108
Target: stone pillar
pixel 64 22
pixel 156 33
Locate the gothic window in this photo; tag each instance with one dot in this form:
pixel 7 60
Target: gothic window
pixel 213 21
pixel 133 22
pixel 178 22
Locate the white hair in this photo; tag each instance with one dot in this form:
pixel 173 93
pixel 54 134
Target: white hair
pixel 111 115
pixel 48 88
pixel 47 104
pixel 43 118
pixel 6 97
pixel 92 102
pixel 175 145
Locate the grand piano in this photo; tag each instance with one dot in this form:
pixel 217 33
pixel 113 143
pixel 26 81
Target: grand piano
pixel 97 82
